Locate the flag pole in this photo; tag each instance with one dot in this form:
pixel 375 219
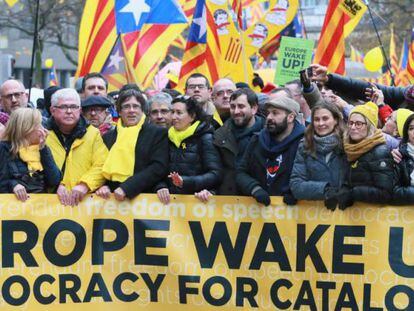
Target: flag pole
pixel 35 39
pixel 381 45
pixel 246 79
pixel 302 20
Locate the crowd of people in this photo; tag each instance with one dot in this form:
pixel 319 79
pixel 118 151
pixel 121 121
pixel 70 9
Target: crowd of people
pixel 322 137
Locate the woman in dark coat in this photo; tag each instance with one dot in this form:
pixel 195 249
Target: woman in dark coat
pixel 320 167
pixel 194 163
pixel 26 163
pixel 404 171
pixel 371 171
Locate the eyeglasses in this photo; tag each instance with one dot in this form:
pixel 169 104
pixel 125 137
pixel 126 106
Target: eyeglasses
pixel 130 107
pixel 358 124
pixel 222 92
pixel 156 112
pixel 194 86
pixel 16 95
pixel 94 109
pixel 67 107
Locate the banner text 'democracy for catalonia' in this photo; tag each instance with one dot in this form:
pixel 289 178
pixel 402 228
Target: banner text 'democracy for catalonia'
pixel 227 254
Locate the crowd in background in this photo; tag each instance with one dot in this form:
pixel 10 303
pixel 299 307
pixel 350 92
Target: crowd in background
pixel 322 137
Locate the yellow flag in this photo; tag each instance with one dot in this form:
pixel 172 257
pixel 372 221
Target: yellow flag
pixel 280 14
pixel 11 3
pixel 234 61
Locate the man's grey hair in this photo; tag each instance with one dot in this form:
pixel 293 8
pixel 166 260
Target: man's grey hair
pixel 65 94
pixel 160 98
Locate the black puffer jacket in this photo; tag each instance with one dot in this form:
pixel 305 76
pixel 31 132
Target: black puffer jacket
pixel 197 161
pixel 403 190
pixel 371 176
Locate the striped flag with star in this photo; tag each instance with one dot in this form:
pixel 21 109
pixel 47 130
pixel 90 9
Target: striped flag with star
pixel 341 18
pixel 202 52
pixel 410 62
pixel 146 28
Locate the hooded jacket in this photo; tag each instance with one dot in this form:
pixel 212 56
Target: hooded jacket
pixel 267 163
pixel 79 156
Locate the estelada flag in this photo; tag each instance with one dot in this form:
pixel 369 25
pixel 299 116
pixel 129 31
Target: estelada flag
pixel 341 18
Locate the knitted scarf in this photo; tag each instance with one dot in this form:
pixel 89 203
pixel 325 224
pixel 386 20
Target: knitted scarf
pixel 177 137
pixel 355 151
pixel 31 156
pixel 120 163
pixel 326 144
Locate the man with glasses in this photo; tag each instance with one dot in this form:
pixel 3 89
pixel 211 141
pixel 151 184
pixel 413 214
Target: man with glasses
pixel 138 150
pixel 95 109
pixel 13 95
pixel 77 148
pixel 222 90
pixel 198 87
pixel 160 109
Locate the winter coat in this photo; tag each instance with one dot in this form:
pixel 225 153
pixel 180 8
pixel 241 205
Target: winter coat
pixel 403 190
pixel 261 163
pixel 229 149
pixel 14 171
pixel 151 160
pixel 197 161
pixel 371 176
pixel 355 89
pixel 79 156
pixel 311 173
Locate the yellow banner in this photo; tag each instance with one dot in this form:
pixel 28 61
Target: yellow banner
pixel 230 254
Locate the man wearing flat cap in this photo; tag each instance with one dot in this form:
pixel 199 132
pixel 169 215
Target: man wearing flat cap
pixel 96 110
pixel 267 163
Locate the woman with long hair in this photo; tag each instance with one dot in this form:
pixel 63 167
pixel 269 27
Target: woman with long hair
pixel 320 167
pixel 194 163
pixel 404 170
pixel 371 171
pixel 26 163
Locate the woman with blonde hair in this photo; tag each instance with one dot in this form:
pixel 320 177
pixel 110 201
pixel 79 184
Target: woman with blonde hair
pixel 26 163
pixel 371 170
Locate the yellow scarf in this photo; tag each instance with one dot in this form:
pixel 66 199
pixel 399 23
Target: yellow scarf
pixel 176 137
pixel 31 156
pixel 216 116
pixel 120 162
pixel 355 151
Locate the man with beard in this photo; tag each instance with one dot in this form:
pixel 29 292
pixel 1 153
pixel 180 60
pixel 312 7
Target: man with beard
pixel 267 163
pixel 234 136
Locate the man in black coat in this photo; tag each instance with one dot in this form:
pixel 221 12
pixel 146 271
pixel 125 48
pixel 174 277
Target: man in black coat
pixel 233 137
pixel 151 150
pixel 396 97
pixel 267 163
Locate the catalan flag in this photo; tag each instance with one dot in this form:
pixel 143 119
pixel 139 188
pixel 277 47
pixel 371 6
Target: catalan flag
pixel 341 18
pixel 356 56
pixel 53 81
pixel 202 53
pixel 237 6
pixel 395 66
pixel 146 29
pixel 410 62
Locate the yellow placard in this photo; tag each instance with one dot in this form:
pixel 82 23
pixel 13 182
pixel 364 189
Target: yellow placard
pixel 230 253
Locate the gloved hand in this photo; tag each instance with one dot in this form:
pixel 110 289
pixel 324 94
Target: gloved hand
pixel 262 196
pixel 331 200
pixel 344 197
pixel 289 199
